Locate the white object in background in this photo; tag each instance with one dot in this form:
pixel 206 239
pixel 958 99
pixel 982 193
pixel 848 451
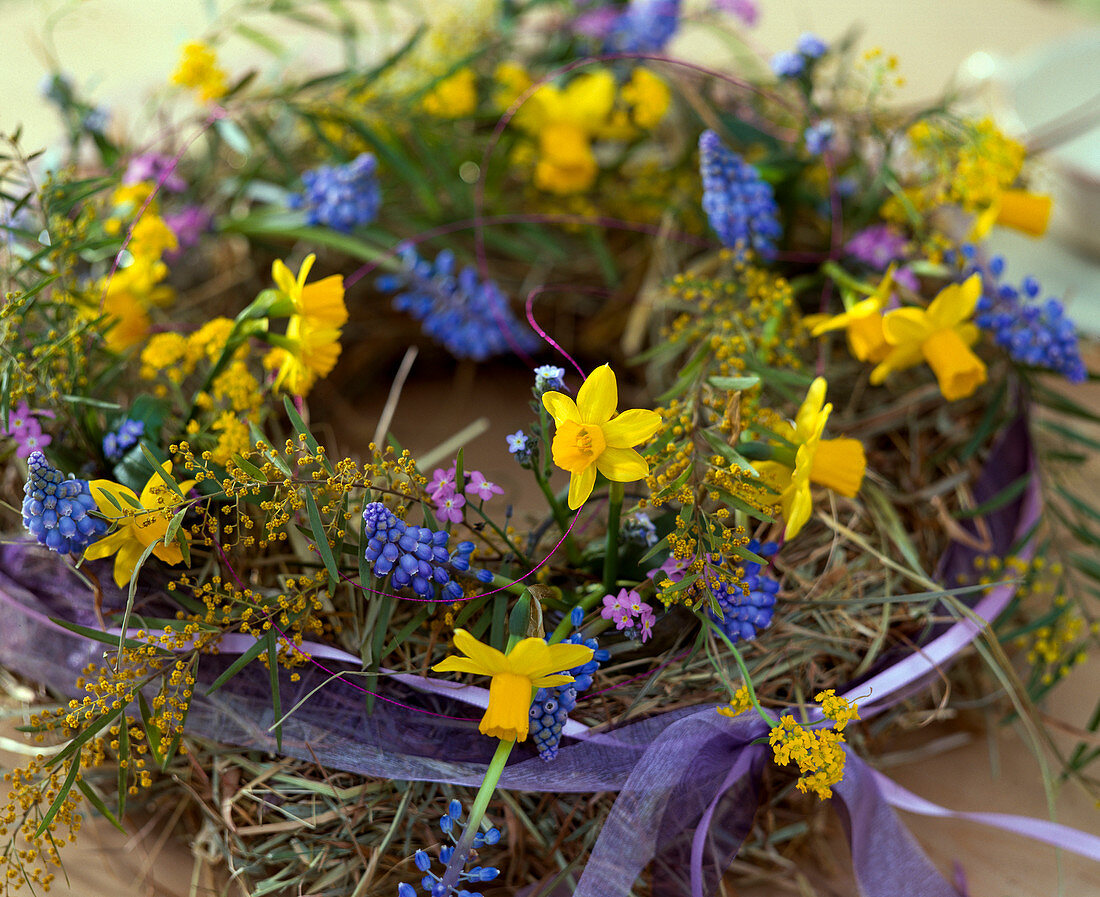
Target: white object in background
pixel 1050 99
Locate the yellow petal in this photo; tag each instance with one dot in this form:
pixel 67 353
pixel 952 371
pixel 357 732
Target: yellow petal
pixel 577 446
pixel 954 304
pixel 866 339
pixel 806 418
pixel 284 280
pixel 906 325
pixel 560 407
pixel 530 656
pixel 535 659
pixel 623 465
pixel 580 486
pixel 552 681
pixel 562 657
pixel 106 546
pixel 126 561
pixel 839 464
pixel 631 428
pixel 454 664
pixel 508 715
pixel 491 660
pixel 598 396
pixel 170 554
pixel 899 358
pixel 323 302
pixel 303 273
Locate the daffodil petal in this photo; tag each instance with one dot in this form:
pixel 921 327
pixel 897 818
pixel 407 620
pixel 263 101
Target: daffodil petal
pixel 560 407
pixel 561 657
pixel 303 272
pixel 899 359
pixel 906 325
pixel 552 681
pixel 100 489
pixel 529 656
pixel 598 396
pixel 968 333
pixel 170 554
pixel 284 280
pixel 454 664
pixel 491 660
pixel 954 304
pixel 106 546
pixel 631 428
pixel 126 561
pixel 623 465
pixel 580 486
pixel 811 408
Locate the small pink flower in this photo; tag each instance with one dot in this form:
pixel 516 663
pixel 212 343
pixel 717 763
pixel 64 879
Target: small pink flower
pixel 449 508
pixel 32 440
pixel 442 485
pixel 646 619
pixel 18 420
pixel 620 608
pixel 481 487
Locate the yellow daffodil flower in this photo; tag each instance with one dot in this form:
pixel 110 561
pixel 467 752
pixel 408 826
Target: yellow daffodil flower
pixel 141 522
pixel 837 464
pixel 564 120
pixel 529 665
pixel 1021 210
pixel 862 323
pixel 311 346
pixel 590 436
pixel 940 335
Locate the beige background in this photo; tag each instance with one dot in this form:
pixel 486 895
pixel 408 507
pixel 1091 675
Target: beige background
pixel 125 50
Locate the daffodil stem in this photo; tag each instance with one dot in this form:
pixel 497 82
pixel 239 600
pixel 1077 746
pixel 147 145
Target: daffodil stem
pixel 561 517
pixel 844 279
pixel 477 813
pixel 611 554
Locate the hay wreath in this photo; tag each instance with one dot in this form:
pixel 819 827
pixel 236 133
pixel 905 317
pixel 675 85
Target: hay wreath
pixel 797 446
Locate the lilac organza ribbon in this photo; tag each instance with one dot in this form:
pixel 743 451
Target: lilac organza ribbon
pixel 688 780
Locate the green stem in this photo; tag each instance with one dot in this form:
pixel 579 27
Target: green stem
pixel 586 604
pixel 611 553
pixel 560 516
pixel 844 279
pixel 767 717
pixel 477 813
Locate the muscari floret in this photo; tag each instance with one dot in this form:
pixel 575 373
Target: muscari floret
pixel 1034 332
pixel 340 196
pixel 118 442
pixel 471 318
pixel 645 26
pixel 415 556
pixel 56 510
pixel 432 883
pixel 740 205
pixel 744 615
pixel 551 706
